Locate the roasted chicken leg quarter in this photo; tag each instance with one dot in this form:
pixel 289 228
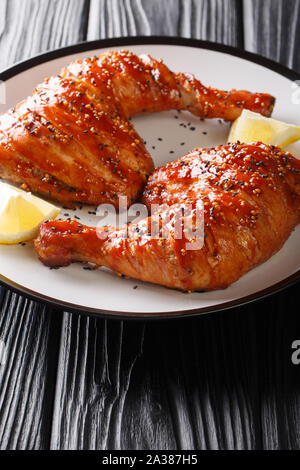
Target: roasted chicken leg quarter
pixel 72 140
pixel 251 199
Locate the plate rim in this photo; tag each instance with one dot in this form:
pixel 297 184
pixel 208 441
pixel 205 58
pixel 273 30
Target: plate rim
pixel 143 40
pixel 177 314
pixel 43 57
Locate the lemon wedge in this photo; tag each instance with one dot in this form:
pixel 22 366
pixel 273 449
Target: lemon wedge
pixel 21 213
pixel 252 127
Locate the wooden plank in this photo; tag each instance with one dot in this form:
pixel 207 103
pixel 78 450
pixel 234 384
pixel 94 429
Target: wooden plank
pixel 219 382
pixel 95 385
pixel 34 26
pixel 27 378
pixel 272 28
pixel 30 332
pixel 216 20
pixel 175 385
pixel 279 378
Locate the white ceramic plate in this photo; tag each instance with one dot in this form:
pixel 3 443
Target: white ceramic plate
pixel 101 291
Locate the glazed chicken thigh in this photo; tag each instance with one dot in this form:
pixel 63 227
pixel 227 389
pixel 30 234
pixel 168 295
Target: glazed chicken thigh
pixel 250 194
pixel 72 140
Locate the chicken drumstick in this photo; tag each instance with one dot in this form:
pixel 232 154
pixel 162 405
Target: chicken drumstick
pixel 251 199
pixel 72 140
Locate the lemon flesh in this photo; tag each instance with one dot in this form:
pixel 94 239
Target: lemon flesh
pixel 21 213
pixel 252 127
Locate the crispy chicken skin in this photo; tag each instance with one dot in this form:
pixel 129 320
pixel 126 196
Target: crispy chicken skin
pixel 251 199
pixel 72 140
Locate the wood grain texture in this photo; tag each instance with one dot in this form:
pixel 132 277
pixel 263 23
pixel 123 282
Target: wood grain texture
pixel 224 381
pixel 33 26
pixel 27 379
pixel 214 20
pixel 219 382
pixel 272 29
pixel 31 332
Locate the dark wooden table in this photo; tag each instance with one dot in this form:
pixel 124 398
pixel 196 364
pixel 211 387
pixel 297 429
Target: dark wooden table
pixel 224 381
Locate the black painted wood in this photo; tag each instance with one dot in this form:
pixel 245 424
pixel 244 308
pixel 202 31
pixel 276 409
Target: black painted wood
pixel 33 26
pixel 27 379
pixel 224 381
pixel 30 332
pixel 272 29
pixel 219 382
pixel 214 20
